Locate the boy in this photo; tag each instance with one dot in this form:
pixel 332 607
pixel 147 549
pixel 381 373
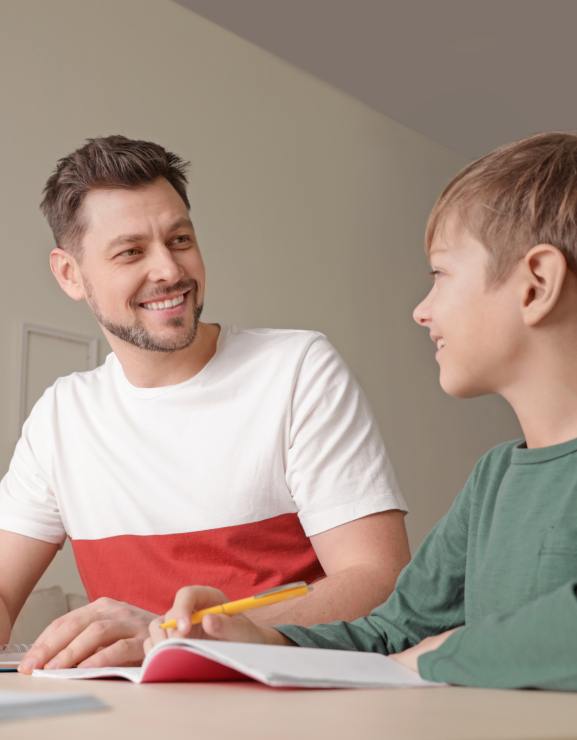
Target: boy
pixel 490 598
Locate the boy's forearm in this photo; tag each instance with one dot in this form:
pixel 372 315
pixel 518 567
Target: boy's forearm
pixel 533 647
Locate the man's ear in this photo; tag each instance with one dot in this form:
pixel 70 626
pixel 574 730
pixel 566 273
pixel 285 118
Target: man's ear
pixel 67 273
pixel 544 272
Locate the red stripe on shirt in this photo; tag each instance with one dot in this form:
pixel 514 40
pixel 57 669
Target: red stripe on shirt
pixel 147 570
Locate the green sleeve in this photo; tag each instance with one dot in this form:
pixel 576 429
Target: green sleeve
pixel 533 647
pixel 428 598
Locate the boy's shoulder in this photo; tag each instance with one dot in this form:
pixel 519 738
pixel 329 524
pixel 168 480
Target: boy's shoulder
pixel 493 465
pixel 501 452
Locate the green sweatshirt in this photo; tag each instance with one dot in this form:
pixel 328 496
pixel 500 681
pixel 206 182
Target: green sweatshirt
pixel 502 563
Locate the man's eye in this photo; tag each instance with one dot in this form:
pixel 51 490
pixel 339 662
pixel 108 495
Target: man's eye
pixel 182 240
pixel 434 274
pixel 132 252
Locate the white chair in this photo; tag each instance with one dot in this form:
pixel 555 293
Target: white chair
pixel 41 607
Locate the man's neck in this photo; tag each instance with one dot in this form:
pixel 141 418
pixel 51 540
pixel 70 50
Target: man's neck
pixel 147 369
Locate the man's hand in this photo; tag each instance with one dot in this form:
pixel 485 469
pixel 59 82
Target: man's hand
pixel 214 626
pixel 409 658
pixel 103 633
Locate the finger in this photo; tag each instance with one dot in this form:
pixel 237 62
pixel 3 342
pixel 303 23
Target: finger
pixel 155 631
pixel 128 651
pixel 55 637
pixel 95 637
pixel 234 629
pixel 188 600
pixel 192 598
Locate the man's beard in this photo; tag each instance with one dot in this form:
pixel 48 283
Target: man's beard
pixel 137 335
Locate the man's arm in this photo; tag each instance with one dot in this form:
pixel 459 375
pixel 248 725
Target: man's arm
pixel 106 631
pixel 427 600
pixel 362 560
pixel 103 633
pixel 23 559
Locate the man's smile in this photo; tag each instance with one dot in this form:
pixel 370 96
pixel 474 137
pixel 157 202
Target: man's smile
pixel 162 305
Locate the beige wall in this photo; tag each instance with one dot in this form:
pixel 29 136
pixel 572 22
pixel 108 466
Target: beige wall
pixel 309 206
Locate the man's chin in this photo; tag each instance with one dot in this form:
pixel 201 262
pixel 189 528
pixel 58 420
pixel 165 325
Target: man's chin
pixel 168 341
pixel 164 343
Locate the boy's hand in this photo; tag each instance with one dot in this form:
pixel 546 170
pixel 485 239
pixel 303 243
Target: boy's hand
pixel 409 657
pixel 191 599
pixel 103 633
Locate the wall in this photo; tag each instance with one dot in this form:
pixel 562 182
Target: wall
pixel 310 208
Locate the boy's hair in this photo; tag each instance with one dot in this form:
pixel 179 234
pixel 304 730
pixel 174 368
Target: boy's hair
pixel 104 162
pixel 515 197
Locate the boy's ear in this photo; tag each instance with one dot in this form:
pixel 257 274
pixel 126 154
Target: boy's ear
pixel 545 269
pixel 67 273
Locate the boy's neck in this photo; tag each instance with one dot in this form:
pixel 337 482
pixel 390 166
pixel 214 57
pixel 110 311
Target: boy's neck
pixel 545 397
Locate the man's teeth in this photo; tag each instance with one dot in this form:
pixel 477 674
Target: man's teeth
pixel 440 343
pixel 160 305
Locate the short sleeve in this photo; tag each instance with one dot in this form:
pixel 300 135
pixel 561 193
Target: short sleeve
pixel 28 505
pixel 337 466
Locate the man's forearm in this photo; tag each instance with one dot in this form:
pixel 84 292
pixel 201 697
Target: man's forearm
pixel 5 623
pixel 348 594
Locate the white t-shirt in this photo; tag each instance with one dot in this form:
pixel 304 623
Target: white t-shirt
pixel 218 480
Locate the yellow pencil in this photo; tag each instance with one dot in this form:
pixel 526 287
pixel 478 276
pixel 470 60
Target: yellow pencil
pixel 273 596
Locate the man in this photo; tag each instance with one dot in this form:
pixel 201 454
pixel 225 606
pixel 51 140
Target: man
pixel 243 459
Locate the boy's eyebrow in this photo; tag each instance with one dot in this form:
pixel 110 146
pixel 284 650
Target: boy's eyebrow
pixel 134 238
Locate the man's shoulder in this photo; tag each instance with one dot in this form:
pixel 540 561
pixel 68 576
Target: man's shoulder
pixel 79 381
pixel 265 336
pixel 285 342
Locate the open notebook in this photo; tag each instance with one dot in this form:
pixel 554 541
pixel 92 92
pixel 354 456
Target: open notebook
pixel 274 665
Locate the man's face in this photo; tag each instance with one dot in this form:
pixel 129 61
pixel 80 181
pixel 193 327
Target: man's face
pixel 476 328
pixel 141 269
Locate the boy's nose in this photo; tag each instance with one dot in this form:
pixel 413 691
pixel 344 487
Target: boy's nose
pixel 421 313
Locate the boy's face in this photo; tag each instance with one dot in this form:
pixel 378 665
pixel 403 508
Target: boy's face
pixel 476 327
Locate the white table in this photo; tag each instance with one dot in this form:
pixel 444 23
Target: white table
pixel 249 711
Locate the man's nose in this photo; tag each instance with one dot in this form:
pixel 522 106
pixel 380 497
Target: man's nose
pixel 163 265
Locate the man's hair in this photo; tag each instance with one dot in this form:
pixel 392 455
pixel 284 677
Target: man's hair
pixel 104 162
pixel 515 197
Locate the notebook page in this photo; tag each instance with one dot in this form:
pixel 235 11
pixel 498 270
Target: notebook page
pixel 132 674
pixel 309 667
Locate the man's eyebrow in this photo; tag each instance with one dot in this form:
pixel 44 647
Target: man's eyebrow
pixel 125 239
pixel 180 223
